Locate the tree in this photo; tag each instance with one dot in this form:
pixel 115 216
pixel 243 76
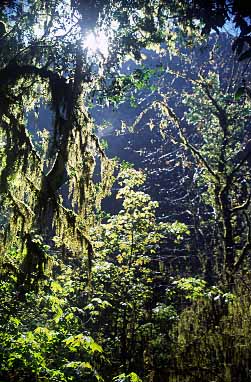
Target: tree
pixel 32 180
pixel 213 128
pixel 43 61
pixel 124 277
pixel 51 188
pixel 62 331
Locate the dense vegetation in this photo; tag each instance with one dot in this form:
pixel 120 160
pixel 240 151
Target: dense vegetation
pixel 93 292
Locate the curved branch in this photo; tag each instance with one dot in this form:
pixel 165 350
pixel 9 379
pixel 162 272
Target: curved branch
pixel 195 151
pixel 243 206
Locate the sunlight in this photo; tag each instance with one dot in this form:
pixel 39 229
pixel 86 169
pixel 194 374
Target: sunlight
pixel 97 43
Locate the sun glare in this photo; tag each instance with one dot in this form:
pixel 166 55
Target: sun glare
pixel 97 43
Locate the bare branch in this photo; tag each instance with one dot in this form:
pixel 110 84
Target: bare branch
pixel 195 151
pixel 243 206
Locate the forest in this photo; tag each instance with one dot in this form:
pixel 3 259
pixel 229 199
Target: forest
pixel 125 191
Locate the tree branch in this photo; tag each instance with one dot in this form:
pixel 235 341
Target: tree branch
pixel 245 249
pixel 195 151
pixel 12 72
pixel 242 206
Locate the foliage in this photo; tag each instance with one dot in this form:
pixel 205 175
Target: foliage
pixel 83 295
pixel 132 377
pixel 49 181
pixel 42 333
pixel 123 270
pixel 211 130
pixel 133 231
pixel 196 289
pixel 211 330
pixel 41 337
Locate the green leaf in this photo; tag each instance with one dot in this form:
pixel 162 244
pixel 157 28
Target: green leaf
pixel 132 377
pixel 95 347
pixel 78 364
pixel 239 93
pixel 86 365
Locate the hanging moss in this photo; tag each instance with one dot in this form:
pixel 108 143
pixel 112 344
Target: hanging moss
pixel 60 201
